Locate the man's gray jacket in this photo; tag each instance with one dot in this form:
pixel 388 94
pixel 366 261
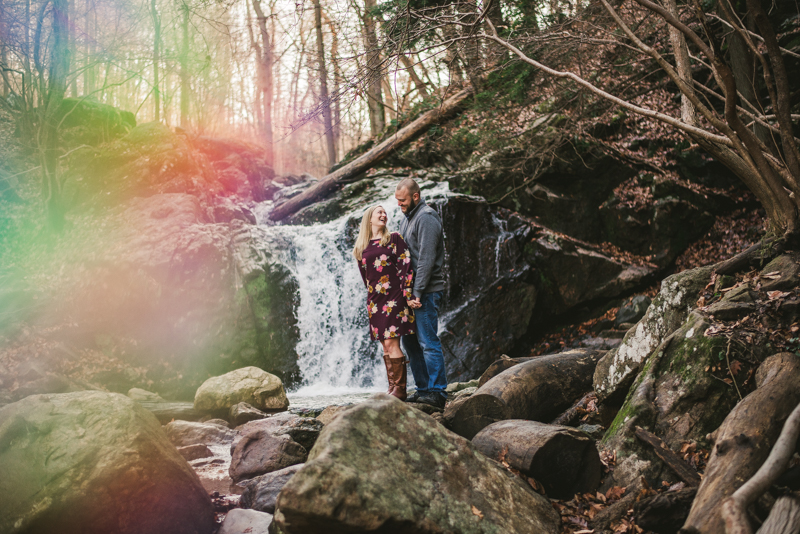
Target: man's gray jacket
pixel 422 231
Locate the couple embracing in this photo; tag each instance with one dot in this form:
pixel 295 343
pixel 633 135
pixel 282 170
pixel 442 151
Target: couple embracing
pixel 404 276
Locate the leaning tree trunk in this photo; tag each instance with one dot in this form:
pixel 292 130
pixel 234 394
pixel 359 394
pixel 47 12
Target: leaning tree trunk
pixel 563 459
pixel 372 157
pixel 745 439
pixel 537 390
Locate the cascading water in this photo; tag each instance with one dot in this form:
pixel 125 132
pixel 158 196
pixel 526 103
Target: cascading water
pixel 336 356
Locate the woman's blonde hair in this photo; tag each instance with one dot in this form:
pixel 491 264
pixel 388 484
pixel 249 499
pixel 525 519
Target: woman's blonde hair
pixel 365 233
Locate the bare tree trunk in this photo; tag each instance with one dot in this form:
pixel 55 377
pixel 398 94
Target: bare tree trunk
pixel 265 83
pixel 71 47
pixel 323 87
pixel 3 50
pixel 337 85
pixel 184 60
pixel 56 88
pixel 377 118
pixel 90 50
pixel 156 60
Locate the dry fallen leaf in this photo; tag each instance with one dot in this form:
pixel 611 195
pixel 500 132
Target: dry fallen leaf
pixel 477 512
pixel 776 294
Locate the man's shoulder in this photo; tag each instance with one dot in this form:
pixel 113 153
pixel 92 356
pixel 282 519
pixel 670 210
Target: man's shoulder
pixel 428 215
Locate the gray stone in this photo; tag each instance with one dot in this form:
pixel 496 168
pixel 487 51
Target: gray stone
pixel 788 273
pixel 195 452
pixel 327 415
pixel 382 466
pixel 242 413
pixel 94 462
pixel 303 430
pixel 259 452
pixel 455 387
pixel 183 433
pixel 240 521
pixel 248 384
pixel 139 394
pixel 633 311
pixel 168 411
pixel 262 492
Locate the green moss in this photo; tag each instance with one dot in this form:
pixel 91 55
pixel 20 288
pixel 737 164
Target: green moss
pixel 629 408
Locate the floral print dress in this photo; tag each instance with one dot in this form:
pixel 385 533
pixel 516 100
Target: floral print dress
pixel 388 276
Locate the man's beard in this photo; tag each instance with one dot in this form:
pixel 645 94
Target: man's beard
pixel 411 206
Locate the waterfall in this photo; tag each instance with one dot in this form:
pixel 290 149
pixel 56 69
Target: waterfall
pixel 336 355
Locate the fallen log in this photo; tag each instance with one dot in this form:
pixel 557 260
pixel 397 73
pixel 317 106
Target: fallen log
pixel 734 510
pixel 373 156
pixel 536 390
pixel 745 438
pixel 498 366
pixel 564 460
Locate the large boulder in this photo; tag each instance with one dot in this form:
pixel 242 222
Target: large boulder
pixel 678 296
pixel 248 384
pixel 383 466
pixel 94 462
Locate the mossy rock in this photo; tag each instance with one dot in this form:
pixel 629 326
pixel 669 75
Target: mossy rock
pixel 683 393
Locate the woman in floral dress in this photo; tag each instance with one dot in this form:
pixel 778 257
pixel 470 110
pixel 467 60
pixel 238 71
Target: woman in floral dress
pixel 385 266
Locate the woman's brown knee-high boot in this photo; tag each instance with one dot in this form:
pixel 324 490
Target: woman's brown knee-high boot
pixel 397 377
pixel 388 362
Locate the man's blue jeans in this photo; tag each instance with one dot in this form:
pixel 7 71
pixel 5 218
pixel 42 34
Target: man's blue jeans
pixel 424 349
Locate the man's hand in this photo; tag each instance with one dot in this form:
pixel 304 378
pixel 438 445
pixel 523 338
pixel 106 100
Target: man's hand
pixel 414 304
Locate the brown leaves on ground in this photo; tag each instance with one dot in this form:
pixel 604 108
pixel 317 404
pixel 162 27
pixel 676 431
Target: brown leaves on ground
pixel 578 513
pixel 730 235
pixel 768 326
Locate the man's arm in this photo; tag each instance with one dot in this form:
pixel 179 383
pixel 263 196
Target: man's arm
pixel 429 234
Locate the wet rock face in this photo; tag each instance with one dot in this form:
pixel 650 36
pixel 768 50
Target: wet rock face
pixel 382 465
pixel 94 462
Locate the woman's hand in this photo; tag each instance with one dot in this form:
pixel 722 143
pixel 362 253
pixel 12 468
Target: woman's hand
pixel 414 303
